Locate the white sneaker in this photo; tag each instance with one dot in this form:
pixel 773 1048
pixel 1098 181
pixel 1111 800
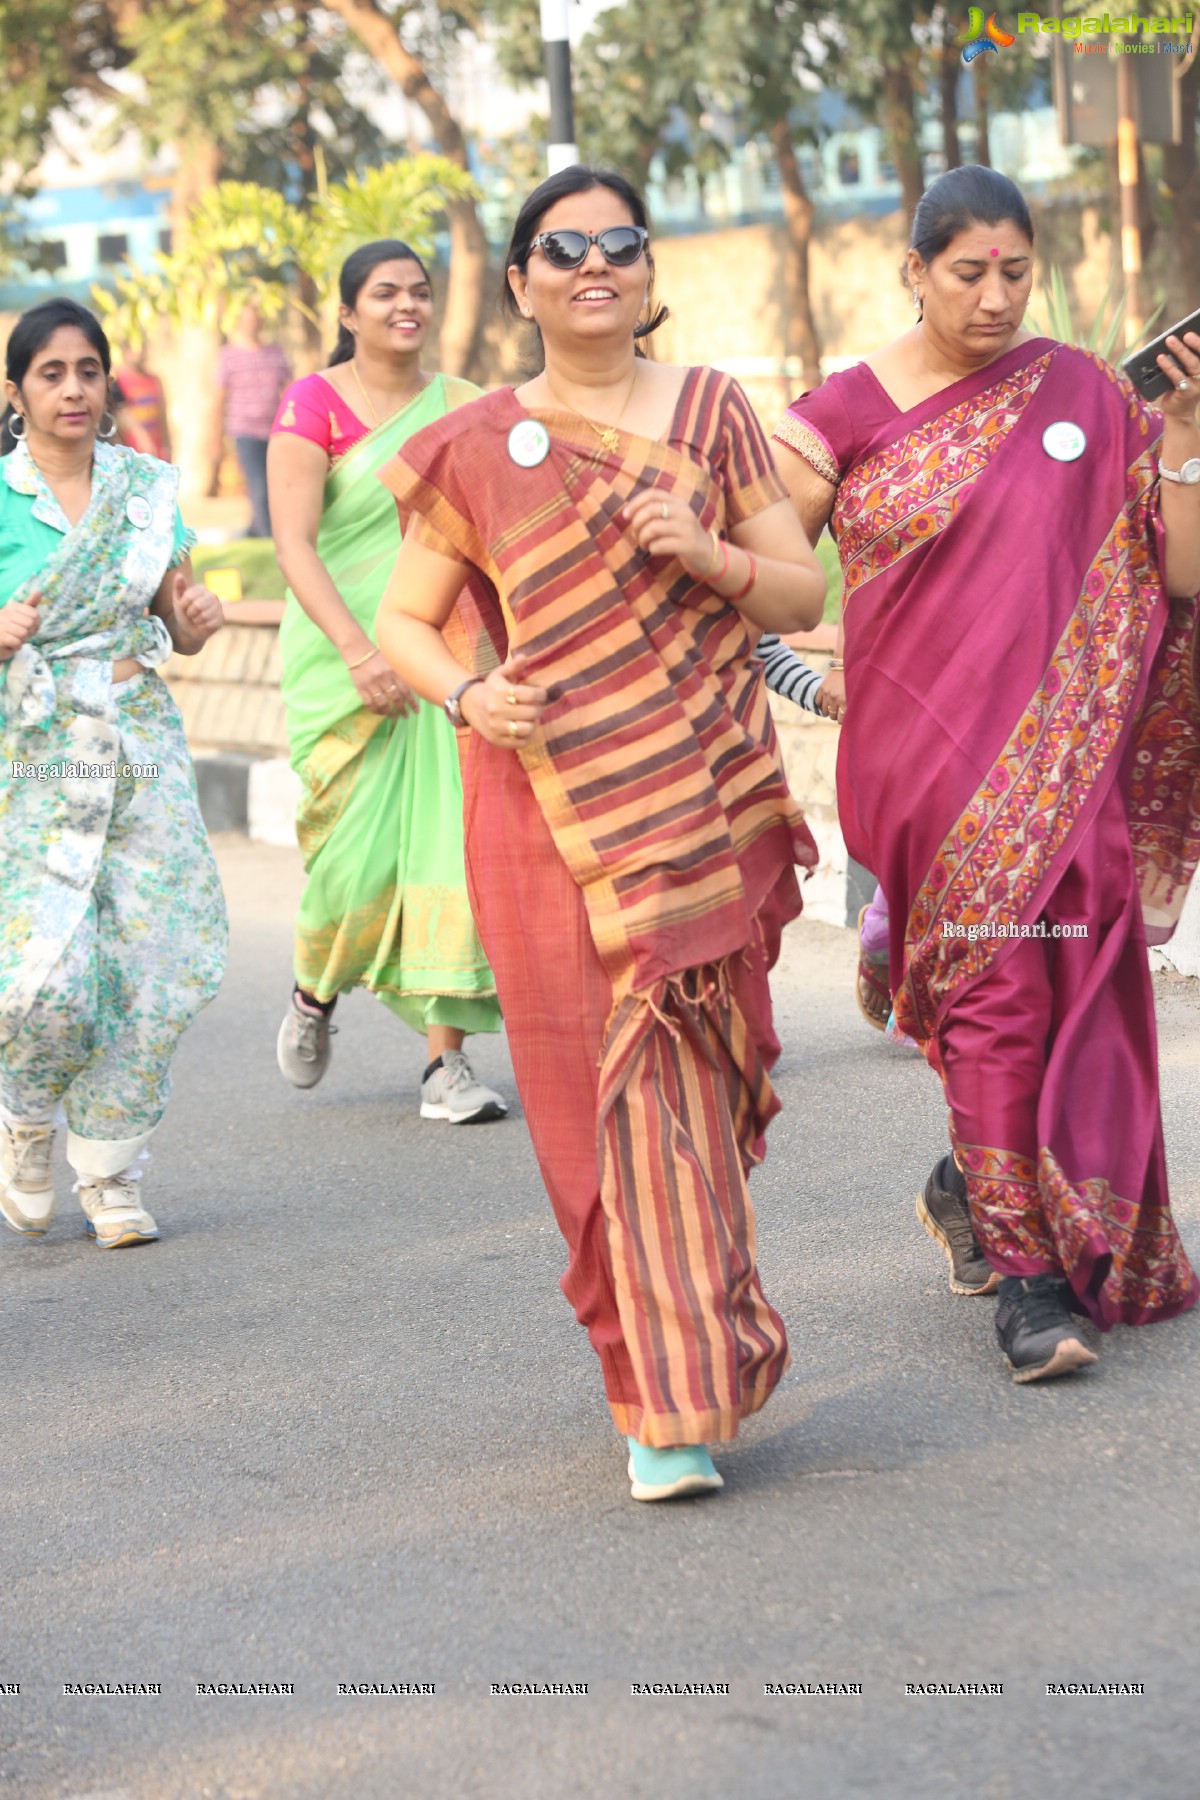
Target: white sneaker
pixel 114 1211
pixel 302 1047
pixel 452 1093
pixel 26 1186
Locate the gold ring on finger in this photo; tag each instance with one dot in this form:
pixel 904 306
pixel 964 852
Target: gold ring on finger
pixel 510 698
pixel 512 728
pixel 666 511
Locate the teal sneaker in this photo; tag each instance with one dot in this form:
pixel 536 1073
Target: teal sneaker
pixel 670 1474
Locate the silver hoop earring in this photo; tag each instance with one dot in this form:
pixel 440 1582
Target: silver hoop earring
pixel 107 436
pixel 18 437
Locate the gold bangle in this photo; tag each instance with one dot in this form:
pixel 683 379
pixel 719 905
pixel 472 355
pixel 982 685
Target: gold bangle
pixel 373 651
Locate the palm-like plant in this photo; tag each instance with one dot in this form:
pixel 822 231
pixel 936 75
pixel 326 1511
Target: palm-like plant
pixel 246 243
pixel 1105 340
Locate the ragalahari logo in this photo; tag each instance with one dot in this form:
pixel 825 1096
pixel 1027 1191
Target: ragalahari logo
pixel 979 37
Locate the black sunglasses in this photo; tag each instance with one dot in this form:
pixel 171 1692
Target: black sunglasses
pixel 619 245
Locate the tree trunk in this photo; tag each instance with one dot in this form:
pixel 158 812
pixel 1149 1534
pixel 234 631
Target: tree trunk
pixel 800 334
pixel 1181 175
pixel 1147 223
pixel 900 125
pixel 190 380
pixel 983 148
pixel 304 139
pixel 949 70
pixel 468 246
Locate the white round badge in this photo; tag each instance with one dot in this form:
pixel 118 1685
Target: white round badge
pixel 1064 441
pixel 528 443
pixel 138 511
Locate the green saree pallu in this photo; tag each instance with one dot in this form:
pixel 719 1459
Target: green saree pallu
pixel 380 823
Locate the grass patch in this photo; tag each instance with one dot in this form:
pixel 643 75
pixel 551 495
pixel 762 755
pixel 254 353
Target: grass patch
pixel 253 558
pixel 827 556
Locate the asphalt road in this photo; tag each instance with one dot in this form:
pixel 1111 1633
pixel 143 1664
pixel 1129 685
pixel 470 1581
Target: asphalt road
pixel 340 1426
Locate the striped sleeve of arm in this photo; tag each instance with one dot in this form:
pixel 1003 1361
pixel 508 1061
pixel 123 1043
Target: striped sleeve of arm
pixel 786 673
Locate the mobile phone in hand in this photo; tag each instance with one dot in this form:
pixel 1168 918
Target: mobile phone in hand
pixel 1142 367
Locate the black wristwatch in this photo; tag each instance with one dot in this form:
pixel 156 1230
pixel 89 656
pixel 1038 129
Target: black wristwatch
pixel 452 701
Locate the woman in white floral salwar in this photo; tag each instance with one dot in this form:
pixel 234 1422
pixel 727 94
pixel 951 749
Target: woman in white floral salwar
pixel 112 920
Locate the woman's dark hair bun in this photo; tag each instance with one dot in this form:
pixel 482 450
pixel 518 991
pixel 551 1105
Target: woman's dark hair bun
pixel 970 195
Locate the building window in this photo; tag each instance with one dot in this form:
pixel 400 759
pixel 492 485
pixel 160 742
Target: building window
pixel 848 168
pixel 165 240
pixel 112 248
pixel 52 254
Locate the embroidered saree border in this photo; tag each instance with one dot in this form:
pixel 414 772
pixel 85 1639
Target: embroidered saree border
pixel 997 852
pixel 1127 1259
pixel 912 489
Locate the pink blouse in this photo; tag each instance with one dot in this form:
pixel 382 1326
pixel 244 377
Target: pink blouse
pixel 312 408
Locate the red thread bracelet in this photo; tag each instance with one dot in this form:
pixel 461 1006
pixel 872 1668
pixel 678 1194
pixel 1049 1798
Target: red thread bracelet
pixel 750 580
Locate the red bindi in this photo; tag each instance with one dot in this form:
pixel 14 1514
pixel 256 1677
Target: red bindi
pixel 995 253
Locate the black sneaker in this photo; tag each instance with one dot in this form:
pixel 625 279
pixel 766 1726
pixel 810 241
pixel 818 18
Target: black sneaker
pixel 1035 1329
pixel 942 1210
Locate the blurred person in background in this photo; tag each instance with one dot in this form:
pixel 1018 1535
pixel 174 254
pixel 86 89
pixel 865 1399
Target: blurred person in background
pixel 380 824
pixel 251 375
pixel 140 406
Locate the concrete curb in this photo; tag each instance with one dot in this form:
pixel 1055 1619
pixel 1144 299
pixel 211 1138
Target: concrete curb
pixel 257 795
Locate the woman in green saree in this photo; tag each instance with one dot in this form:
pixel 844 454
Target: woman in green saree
pixel 380 822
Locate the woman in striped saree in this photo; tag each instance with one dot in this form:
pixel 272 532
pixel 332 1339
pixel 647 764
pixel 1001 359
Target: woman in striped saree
pixel 631 842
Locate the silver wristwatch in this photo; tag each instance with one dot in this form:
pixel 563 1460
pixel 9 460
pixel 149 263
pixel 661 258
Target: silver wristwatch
pixel 453 702
pixel 1188 475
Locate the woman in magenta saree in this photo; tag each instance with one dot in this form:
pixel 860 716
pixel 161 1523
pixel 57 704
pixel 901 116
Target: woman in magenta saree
pixel 1020 767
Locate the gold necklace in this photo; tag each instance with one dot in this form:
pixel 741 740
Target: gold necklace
pixel 606 433
pixel 375 419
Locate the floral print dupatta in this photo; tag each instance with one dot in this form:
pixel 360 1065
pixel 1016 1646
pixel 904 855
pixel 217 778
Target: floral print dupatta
pixel 64 733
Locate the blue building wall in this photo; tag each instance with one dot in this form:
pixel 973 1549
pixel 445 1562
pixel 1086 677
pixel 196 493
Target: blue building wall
pixel 95 232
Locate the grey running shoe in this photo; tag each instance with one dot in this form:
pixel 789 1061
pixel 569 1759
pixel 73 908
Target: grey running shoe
pixel 26 1185
pixel 1035 1329
pixel 302 1047
pixel 452 1093
pixel 114 1212
pixel 942 1210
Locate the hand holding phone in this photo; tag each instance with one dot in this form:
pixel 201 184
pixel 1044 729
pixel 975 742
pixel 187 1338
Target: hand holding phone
pixel 1142 367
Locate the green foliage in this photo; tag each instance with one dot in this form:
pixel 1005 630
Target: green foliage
pixel 247 243
pixel 253 558
pixel 402 199
pixel 1105 337
pixel 269 84
pixel 827 556
pixel 724 72
pixel 49 49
